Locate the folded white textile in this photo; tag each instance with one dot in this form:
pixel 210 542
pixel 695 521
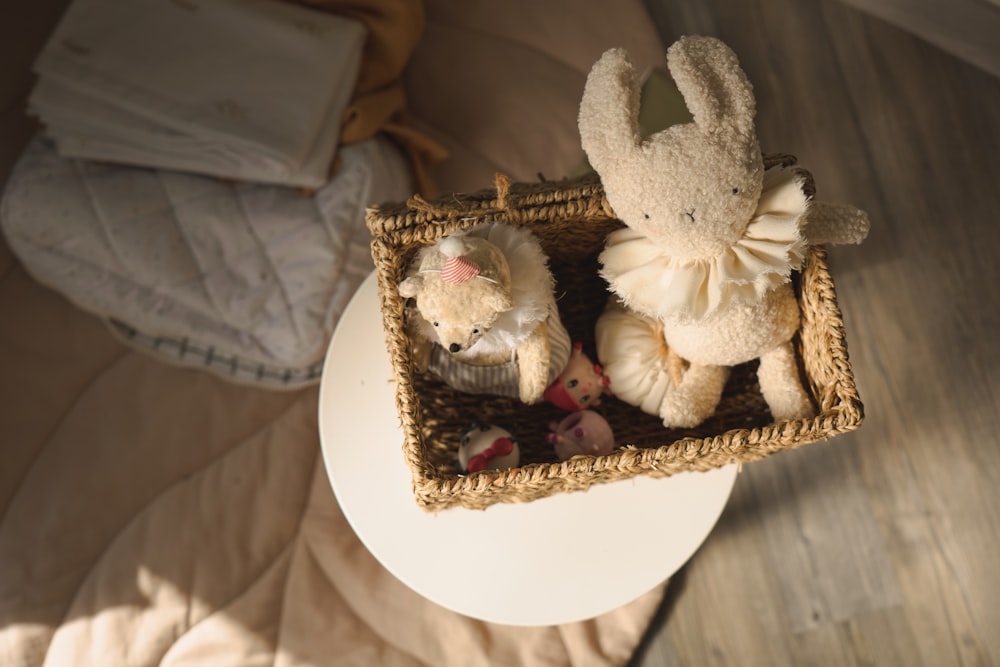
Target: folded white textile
pixel 244 280
pixel 241 89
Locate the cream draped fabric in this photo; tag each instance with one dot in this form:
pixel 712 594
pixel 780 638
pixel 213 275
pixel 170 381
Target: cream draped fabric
pixel 658 285
pixel 240 89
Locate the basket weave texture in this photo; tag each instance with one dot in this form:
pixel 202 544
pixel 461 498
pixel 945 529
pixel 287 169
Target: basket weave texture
pixel 571 219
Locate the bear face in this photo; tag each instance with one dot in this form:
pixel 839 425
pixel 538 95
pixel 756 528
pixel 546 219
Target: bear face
pixel 459 314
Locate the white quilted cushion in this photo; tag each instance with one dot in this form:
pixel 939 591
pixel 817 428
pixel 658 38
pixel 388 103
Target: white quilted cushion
pixel 245 280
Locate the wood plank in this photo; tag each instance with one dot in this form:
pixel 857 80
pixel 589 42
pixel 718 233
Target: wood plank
pixel 883 637
pixel 729 611
pixel 940 358
pixel 878 548
pixel 970 29
pixel 817 525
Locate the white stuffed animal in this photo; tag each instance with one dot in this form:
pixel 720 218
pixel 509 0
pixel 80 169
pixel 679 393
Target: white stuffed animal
pixel 711 238
pixel 485 318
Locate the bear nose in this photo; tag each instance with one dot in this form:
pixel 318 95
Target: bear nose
pixel 454 347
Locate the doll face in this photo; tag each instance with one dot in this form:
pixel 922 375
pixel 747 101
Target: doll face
pixel 581 387
pixel 582 382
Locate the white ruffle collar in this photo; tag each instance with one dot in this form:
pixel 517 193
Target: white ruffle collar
pixel 661 286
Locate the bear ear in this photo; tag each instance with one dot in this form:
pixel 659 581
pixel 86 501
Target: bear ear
pixel 717 91
pixel 411 286
pixel 499 299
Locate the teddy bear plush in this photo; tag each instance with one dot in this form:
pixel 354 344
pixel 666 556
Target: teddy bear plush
pixel 711 237
pixel 484 318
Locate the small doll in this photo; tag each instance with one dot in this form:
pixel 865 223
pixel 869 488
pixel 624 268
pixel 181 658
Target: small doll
pixel 488 448
pixel 580 385
pixel 581 432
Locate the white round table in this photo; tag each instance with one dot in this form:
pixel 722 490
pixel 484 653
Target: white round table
pixel 563 558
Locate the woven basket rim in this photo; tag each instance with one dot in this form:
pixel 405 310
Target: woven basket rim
pixel 735 445
pixel 401 228
pixel 390 220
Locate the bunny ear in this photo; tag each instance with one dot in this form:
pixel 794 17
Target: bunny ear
pixel 609 111
pixel 715 88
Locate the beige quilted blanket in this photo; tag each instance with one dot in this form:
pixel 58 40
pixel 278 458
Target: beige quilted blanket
pixel 151 514
pixel 158 515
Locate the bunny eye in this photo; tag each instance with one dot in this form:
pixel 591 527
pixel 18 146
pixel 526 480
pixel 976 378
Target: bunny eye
pixel 646 215
pixel 435 324
pixel 736 191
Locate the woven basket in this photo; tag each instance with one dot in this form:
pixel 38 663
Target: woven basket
pixel 571 220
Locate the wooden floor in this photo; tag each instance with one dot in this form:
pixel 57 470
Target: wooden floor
pixel 881 547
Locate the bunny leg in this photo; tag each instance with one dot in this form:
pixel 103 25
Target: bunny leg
pixel 694 400
pixel 779 382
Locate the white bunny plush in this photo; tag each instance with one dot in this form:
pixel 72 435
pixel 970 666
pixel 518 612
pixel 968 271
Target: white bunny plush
pixel 711 237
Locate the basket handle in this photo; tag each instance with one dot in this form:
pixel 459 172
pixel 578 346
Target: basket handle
pixel 439 209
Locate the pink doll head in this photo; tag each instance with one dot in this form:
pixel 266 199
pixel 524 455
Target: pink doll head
pixel 582 432
pixel 580 384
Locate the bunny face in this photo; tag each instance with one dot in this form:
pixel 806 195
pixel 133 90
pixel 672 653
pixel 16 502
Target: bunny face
pixel 691 188
pixel 691 196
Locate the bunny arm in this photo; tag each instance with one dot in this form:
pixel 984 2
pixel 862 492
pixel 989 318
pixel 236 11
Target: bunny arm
pixel 835 224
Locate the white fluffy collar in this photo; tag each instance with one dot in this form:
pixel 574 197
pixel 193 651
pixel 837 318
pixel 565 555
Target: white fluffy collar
pixel 658 285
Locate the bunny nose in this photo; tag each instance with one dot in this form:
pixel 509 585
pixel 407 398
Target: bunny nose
pixel 454 347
